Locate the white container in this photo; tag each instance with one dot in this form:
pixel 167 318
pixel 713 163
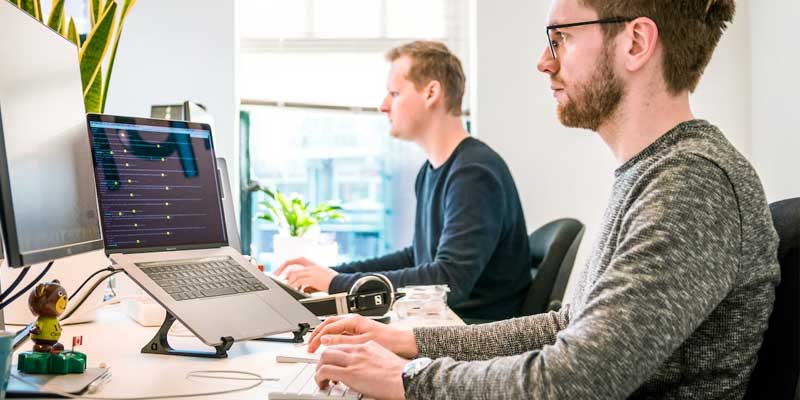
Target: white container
pixel 288 247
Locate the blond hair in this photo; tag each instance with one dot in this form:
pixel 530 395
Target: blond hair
pixel 433 61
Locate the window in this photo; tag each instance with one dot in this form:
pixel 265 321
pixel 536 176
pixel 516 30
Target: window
pixel 311 74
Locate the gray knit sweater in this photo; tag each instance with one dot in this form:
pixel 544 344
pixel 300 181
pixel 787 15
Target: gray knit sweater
pixel 673 302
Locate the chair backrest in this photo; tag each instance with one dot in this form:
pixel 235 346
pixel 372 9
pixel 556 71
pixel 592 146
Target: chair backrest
pixel 552 253
pixel 776 373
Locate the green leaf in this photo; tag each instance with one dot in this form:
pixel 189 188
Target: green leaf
pixel 72 33
pixel 30 7
pixel 56 15
pixel 94 11
pixel 91 57
pixel 126 8
pixel 92 98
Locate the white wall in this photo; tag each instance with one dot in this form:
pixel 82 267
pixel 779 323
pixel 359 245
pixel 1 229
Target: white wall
pixel 179 50
pixel 775 89
pixel 568 172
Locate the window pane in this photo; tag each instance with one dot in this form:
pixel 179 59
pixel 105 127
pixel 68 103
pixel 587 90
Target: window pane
pixel 277 19
pixel 351 79
pixel 424 19
pixel 335 155
pixel 347 19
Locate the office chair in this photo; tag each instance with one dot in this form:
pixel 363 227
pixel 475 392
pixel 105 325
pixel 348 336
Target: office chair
pixel 776 372
pixel 552 253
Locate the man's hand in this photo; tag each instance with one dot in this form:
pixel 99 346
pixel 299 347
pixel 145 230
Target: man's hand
pixel 305 274
pixel 367 368
pixel 356 329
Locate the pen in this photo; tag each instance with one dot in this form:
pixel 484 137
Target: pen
pixel 99 382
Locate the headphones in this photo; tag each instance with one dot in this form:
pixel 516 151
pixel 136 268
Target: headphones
pixel 371 295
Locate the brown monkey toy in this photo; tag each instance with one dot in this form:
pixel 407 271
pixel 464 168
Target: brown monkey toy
pixel 47 301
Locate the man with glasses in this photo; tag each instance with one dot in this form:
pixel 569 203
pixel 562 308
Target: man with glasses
pixel 677 292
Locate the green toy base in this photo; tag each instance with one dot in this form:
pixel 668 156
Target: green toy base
pixel 66 362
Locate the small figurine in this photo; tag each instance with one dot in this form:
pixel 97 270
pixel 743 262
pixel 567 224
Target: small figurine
pixel 47 301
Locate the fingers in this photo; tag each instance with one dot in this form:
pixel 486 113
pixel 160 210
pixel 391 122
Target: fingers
pixel 334 325
pixel 331 373
pixel 297 276
pixel 335 356
pixel 333 340
pixel 294 261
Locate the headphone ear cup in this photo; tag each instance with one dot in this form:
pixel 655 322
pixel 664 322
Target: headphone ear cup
pixel 373 283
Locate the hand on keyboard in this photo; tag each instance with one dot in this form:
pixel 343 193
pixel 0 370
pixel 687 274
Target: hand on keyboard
pixel 367 368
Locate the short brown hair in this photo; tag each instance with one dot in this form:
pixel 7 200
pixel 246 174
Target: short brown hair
pixel 433 61
pixel 689 30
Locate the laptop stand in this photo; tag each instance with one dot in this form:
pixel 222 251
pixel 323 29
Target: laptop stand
pixel 160 344
pixel 301 331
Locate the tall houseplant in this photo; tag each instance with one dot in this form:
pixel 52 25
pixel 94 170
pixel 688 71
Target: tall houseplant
pixel 105 29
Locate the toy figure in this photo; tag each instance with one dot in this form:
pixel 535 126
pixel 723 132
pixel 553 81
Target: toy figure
pixel 47 301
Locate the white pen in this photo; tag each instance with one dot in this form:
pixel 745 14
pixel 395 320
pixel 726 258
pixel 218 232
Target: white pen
pixel 98 383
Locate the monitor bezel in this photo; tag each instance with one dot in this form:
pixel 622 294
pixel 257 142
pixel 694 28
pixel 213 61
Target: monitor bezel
pixel 14 256
pixel 94 117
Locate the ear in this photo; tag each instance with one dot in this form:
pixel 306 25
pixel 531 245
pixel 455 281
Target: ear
pixel 641 40
pixel 40 290
pixel 433 93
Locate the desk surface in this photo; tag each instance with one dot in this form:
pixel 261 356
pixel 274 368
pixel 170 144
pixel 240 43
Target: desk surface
pixel 116 340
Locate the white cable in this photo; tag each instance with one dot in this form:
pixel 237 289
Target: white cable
pixel 251 376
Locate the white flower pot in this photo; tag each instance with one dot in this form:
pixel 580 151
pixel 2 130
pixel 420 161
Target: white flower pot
pixel 288 247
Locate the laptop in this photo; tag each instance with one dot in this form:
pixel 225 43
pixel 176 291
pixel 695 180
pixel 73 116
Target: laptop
pixel 163 223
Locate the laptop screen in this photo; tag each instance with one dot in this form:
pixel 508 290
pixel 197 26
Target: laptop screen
pixel 156 184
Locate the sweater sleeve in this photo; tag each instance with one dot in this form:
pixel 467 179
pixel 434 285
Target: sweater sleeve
pixel 473 218
pixel 400 259
pixel 497 339
pixel 677 258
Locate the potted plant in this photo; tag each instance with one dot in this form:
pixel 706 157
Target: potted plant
pixel 92 49
pixel 298 227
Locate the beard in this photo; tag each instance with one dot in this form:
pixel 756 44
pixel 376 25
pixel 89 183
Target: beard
pixel 596 100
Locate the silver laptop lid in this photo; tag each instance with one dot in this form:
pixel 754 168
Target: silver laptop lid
pixel 157 185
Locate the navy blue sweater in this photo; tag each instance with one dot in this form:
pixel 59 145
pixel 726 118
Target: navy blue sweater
pixel 469 234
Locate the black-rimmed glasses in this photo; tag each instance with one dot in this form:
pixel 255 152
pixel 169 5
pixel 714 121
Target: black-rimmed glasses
pixel 554 43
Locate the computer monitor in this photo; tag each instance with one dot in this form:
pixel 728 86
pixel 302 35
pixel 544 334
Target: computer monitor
pixel 48 205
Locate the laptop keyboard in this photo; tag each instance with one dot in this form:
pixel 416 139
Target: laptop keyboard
pixel 200 278
pixel 303 386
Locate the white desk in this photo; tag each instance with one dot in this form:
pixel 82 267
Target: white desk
pixel 117 340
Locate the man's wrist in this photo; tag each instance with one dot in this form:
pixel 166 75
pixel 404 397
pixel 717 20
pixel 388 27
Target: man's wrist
pixel 412 370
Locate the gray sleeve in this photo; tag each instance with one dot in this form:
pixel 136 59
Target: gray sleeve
pixel 482 342
pixel 676 259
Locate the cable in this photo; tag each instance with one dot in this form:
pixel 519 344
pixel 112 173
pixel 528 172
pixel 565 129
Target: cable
pixel 28 287
pixel 14 284
pixel 96 284
pixel 250 376
pixel 110 269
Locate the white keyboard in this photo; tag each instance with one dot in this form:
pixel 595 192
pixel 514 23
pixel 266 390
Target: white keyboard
pixel 303 387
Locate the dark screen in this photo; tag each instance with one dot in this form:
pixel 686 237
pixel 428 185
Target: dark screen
pixel 49 208
pixel 156 184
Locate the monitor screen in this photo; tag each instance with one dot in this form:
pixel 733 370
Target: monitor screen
pixel 157 184
pixel 49 206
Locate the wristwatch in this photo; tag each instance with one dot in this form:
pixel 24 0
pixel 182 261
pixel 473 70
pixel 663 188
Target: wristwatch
pixel 413 368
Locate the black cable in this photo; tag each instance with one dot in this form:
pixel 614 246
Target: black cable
pixel 23 334
pixel 14 284
pixel 96 284
pixel 28 287
pixel 109 269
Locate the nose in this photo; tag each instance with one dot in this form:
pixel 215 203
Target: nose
pixel 385 104
pixel 547 64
